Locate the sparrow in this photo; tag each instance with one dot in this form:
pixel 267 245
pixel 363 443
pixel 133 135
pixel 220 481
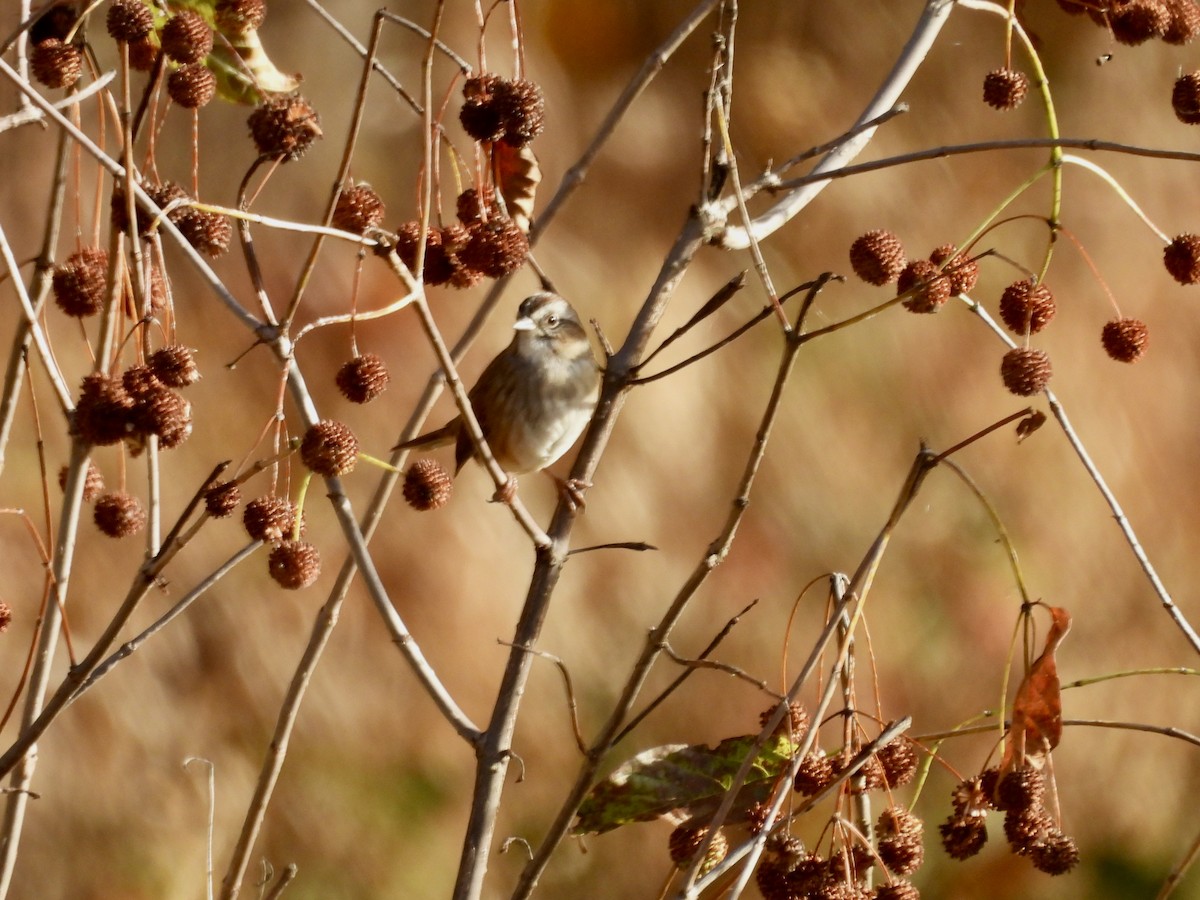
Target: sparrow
pixel 535 398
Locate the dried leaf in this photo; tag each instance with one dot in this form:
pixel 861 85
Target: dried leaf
pixel 676 777
pixel 1037 710
pixel 1030 424
pixel 517 175
pixel 245 73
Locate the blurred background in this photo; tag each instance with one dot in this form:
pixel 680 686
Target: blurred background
pixel 374 795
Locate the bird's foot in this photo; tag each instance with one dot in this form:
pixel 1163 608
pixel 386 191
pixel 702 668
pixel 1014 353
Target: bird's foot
pixel 572 491
pixel 506 493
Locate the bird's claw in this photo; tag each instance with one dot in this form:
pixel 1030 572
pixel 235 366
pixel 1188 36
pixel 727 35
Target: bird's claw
pixel 572 491
pixel 507 492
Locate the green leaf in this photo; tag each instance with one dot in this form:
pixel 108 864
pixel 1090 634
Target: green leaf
pixel 677 777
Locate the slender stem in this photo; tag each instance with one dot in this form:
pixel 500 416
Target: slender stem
pixel 39 288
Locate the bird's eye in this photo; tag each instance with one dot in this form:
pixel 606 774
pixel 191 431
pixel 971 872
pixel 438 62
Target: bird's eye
pixel 551 320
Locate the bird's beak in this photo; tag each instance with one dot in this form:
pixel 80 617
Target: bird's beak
pixel 524 324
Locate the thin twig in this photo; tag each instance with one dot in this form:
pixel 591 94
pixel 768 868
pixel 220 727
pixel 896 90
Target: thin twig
pixel 678 681
pixel 572 704
pixel 719 667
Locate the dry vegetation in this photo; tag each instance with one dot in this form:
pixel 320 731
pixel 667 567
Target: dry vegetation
pixel 378 781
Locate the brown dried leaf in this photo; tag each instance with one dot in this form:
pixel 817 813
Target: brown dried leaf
pixel 1037 710
pixel 1030 424
pixel 517 175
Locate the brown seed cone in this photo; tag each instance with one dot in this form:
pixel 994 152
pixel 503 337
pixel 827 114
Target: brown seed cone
pixel 162 194
pixel 771 877
pixel 814 774
pixel 1021 789
pixel 899 760
pixel 1056 855
pixel 129 20
pixel 1185 22
pixel 1005 88
pixel 877 257
pixel 480 114
pixel 522 109
pixel 186 37
pixel 812 875
pixel 143 53
pixel 896 820
pixel 439 267
pixel 93 482
pixel 158 288
pixel 174 366
pixel 496 248
pixel 192 86
pixel 1027 308
pixel 55 64
pixel 1125 339
pixel 685 841
pixel 139 381
pixel 962 271
pixel 1139 21
pixel 471 208
pixel 119 515
pixel 270 519
pixel 102 413
pixel 1024 828
pixel 1182 258
pixel 80 283
pixel 898 890
pixel 6 616
pixel 236 17
pixel 165 414
pixel 963 836
pixel 363 378
pixel 222 499
pixel 787 848
pixel 1185 98
pixel 900 840
pixel 970 798
pixel 872 775
pixel 330 449
pixel 209 232
pixel 284 127
pixel 1025 371
pixel 358 209
pixel 932 288
pixel 294 564
pixel 794 723
pixel 427 485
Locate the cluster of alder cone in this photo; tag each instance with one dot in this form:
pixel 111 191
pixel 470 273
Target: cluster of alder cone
pixel 1026 306
pixel 488 240
pixel 790 871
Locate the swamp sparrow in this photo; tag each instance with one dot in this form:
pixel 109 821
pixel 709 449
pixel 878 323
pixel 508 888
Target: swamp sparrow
pixel 535 398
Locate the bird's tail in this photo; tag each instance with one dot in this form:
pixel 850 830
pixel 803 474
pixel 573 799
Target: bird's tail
pixel 444 435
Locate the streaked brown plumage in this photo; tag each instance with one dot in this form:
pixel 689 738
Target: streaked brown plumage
pixel 535 398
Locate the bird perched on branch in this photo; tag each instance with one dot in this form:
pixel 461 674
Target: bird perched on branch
pixel 535 398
